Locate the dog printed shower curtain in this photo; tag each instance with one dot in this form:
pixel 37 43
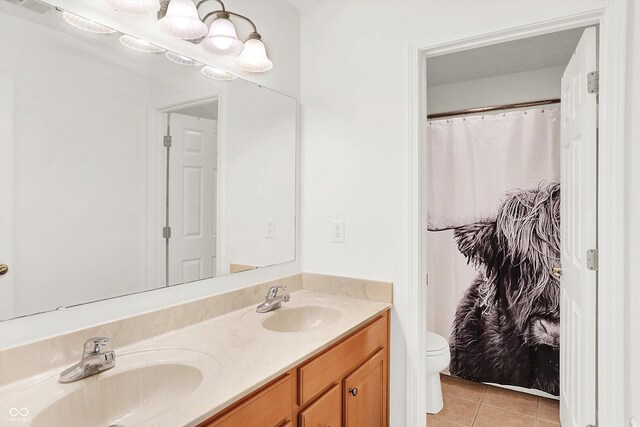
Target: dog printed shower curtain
pixel 494 238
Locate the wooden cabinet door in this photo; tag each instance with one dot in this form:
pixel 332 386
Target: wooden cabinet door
pixel 324 412
pixel 365 394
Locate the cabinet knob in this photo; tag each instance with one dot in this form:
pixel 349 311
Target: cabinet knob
pixel 353 391
pixel 3 269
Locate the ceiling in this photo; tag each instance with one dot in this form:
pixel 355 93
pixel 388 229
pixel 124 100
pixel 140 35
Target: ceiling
pixel 548 50
pixel 303 4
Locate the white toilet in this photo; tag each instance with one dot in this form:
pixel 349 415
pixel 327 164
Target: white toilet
pixel 438 357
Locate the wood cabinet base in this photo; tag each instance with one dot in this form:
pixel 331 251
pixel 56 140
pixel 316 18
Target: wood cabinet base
pixel 347 385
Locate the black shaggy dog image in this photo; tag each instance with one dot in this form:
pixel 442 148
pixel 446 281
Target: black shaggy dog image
pixel 506 327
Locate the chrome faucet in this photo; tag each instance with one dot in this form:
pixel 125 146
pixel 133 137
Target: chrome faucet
pixel 93 361
pixel 272 301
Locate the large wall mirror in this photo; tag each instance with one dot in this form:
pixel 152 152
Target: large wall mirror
pixel 123 171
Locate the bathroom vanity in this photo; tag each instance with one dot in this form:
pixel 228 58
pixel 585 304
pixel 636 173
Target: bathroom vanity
pixel 321 359
pixel 347 382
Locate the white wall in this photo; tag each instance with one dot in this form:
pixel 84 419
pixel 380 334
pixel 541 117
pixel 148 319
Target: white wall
pixel 533 85
pixel 355 131
pixel 258 167
pixel 632 182
pixel 80 168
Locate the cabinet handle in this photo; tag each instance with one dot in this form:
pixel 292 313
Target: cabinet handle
pixel 353 391
pixel 3 269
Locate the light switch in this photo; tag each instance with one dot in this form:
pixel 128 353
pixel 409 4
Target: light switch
pixel 270 228
pixel 337 230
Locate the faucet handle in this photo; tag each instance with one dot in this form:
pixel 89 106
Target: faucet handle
pixel 273 291
pixel 92 345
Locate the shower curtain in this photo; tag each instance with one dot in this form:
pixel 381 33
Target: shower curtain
pixel 493 232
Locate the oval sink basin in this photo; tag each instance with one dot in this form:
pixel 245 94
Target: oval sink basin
pixel 144 388
pixel 301 319
pixel 123 399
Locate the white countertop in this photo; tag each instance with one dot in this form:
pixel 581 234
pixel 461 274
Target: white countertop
pixel 234 352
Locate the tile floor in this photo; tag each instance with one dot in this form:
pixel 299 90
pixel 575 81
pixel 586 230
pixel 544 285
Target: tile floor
pixel 468 404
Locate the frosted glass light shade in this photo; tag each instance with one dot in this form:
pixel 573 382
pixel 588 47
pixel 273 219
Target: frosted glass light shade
pixel 254 57
pixel 221 38
pixel 182 60
pixel 135 7
pixel 139 44
pixel 85 24
pixel 214 73
pixel 182 20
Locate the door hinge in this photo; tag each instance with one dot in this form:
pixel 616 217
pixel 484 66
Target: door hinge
pixel 166 232
pixel 592 259
pixel 166 141
pixel 593 82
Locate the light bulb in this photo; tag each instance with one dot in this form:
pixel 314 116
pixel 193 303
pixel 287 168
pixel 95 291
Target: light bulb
pixel 135 7
pixel 182 20
pixel 222 43
pixel 214 73
pixel 85 24
pixel 254 56
pixel 139 44
pixel 221 38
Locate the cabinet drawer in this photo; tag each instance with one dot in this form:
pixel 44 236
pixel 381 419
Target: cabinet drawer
pixel 328 368
pixel 324 412
pixel 270 407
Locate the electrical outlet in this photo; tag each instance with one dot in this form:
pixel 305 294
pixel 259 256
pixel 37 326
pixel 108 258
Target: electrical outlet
pixel 270 228
pixel 337 230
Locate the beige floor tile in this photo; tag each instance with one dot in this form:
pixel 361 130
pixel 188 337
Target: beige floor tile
pixel 493 417
pixel 458 411
pixel 436 422
pixel 510 400
pixel 549 410
pixel 543 423
pixel 463 389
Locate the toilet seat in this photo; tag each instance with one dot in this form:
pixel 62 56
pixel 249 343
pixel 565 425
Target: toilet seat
pixel 436 344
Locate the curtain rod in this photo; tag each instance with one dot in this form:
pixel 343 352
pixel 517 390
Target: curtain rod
pixel 494 108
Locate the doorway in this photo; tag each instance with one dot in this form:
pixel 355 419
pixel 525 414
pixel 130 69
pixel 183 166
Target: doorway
pixel 190 164
pixel 611 20
pixel 499 166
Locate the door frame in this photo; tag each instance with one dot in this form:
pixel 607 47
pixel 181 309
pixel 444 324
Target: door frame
pixel 610 293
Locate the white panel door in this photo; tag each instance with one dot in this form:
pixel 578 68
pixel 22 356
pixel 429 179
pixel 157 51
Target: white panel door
pixel 578 235
pixel 192 198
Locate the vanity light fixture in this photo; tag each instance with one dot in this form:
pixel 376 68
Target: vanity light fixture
pixel 139 44
pixel 214 73
pixel 86 24
pixel 135 7
pixel 181 20
pixel 182 60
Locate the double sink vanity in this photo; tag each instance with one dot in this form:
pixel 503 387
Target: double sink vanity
pixel 320 359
